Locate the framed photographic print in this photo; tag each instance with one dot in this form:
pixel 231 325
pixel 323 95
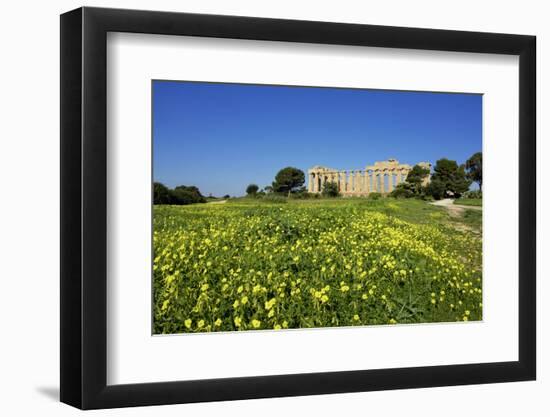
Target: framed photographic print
pixel 258 207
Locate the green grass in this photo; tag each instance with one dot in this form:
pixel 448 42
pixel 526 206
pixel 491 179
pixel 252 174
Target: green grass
pixel 469 202
pixel 472 219
pixel 251 264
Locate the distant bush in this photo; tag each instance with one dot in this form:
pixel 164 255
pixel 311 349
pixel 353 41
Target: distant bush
pixel 161 194
pixel 375 196
pixel 180 195
pixel 252 189
pixel 301 195
pixel 426 197
pixel 183 194
pixel 404 190
pixel 473 194
pixel 330 189
pixel 274 198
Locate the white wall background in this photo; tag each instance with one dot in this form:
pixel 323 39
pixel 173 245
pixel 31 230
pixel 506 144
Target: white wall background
pixel 29 215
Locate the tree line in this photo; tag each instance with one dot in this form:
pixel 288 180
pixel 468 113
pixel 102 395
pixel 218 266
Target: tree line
pixel 448 179
pixel 179 195
pixel 288 181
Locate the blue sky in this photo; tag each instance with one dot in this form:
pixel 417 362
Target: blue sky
pixel 222 137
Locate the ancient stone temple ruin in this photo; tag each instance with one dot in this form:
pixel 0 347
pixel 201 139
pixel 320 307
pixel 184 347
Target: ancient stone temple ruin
pixel 382 177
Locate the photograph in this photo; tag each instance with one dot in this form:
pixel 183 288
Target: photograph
pixel 291 207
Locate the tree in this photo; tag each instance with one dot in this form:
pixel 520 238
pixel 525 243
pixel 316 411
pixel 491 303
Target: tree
pixel 268 189
pixel 473 168
pixel 404 190
pixel 288 180
pixel 330 189
pixel 412 186
pixel 161 194
pixel 449 177
pixel 417 174
pixel 416 177
pixel 436 189
pixel 183 194
pixel 252 189
pixel 179 195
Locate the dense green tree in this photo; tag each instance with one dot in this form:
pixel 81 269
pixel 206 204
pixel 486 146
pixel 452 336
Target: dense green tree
pixel 451 177
pixel 415 177
pixel 474 168
pixel 288 180
pixel 179 195
pixel 187 195
pixel 161 194
pixel 330 189
pixel 405 190
pixel 412 186
pixel 191 188
pixel 252 189
pixel 417 174
pixel 436 189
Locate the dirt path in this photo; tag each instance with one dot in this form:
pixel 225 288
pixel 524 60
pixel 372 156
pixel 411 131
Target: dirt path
pixel 454 209
pixel 217 202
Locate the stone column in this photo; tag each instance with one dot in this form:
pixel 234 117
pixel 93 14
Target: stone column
pixel 309 182
pixel 382 181
pixel 373 179
pixel 317 182
pixel 390 181
pixel 366 188
pixel 358 182
pixel 345 182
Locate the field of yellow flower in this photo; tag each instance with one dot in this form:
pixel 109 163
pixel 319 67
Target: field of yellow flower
pixel 347 262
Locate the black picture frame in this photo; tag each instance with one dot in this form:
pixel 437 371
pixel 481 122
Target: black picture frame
pixel 84 207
